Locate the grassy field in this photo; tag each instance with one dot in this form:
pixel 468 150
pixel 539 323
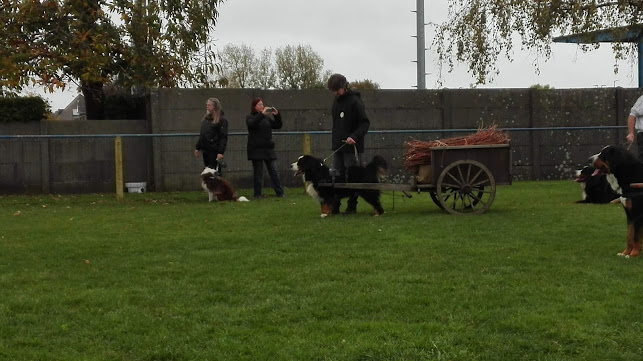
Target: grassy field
pixel 168 276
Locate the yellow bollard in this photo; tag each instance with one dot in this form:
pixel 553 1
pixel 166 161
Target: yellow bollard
pixel 118 164
pixel 306 144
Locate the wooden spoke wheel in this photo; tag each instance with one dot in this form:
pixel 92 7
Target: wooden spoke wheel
pixel 465 187
pixel 436 200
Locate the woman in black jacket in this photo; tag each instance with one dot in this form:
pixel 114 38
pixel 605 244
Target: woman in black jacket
pixel 261 148
pixel 213 137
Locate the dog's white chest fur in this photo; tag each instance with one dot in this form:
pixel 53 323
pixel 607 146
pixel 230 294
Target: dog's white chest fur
pixel 614 184
pixel 583 194
pixel 312 192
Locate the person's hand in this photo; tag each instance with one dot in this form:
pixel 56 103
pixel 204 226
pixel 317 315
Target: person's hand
pixel 350 141
pixel 266 111
pixel 219 156
pixel 196 153
pixel 630 137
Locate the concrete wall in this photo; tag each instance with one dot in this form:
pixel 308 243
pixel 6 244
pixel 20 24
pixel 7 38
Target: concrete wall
pixel 167 163
pixel 536 154
pixel 20 160
pixel 70 165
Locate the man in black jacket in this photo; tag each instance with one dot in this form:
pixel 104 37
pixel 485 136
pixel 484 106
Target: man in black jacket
pixel 350 125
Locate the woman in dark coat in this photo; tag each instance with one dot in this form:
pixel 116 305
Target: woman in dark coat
pixel 213 137
pixel 261 147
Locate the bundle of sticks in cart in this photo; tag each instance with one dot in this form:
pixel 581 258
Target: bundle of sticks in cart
pixel 418 152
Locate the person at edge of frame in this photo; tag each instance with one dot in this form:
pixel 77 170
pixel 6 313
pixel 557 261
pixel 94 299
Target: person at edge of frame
pixel 635 126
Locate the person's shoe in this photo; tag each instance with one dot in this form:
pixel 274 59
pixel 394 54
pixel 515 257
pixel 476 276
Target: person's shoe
pixel 349 211
pixel 281 196
pixel 257 197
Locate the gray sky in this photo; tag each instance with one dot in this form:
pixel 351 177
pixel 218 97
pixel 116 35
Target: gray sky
pixel 365 39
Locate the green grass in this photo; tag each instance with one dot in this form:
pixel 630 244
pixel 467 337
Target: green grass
pixel 172 277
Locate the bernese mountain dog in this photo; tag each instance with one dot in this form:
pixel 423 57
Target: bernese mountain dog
pixel 596 188
pixel 622 170
pixel 314 172
pixel 218 187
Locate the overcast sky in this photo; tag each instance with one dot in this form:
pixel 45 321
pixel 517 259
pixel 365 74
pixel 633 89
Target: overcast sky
pixel 365 39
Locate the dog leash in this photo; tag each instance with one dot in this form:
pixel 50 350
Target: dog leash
pixel 337 150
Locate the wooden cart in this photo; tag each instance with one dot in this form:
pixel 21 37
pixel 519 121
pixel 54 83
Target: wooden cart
pixel 460 179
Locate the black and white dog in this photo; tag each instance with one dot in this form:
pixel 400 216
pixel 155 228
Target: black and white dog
pixel 624 173
pixel 596 188
pixel 314 170
pixel 218 187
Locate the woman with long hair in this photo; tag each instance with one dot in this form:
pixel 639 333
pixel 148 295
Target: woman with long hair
pixel 213 137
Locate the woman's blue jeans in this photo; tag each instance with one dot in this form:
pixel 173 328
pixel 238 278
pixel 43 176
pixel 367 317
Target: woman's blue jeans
pixel 257 168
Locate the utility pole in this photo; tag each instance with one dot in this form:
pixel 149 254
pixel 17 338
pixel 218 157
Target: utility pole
pixel 421 47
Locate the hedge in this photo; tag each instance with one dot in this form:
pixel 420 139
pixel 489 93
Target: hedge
pixel 23 109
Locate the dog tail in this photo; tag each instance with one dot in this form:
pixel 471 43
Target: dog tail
pixel 380 165
pixel 243 199
pixel 379 162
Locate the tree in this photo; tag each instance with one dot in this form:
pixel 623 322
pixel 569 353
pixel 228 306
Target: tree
pixel 291 67
pixel 265 76
pixel 478 32
pixel 299 67
pixel 236 65
pixel 366 84
pixel 141 43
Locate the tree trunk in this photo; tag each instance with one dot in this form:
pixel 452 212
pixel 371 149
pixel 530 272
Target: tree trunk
pixel 93 93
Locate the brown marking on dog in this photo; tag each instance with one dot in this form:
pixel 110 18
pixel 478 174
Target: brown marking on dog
pixel 224 191
pixel 637 249
pixel 630 241
pixel 326 209
pixel 599 164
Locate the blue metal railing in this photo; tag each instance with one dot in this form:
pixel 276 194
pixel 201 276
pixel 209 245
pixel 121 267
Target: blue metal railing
pixel 409 131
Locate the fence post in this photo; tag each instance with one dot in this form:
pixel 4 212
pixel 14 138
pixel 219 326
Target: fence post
pixel 118 164
pixel 45 167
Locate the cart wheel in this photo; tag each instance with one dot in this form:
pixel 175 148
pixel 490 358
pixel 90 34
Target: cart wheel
pixel 436 200
pixel 466 187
